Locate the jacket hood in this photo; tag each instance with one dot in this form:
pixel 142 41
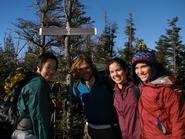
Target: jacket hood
pixel 167 80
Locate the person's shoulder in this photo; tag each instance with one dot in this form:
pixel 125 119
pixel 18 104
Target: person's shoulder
pixel 35 85
pixel 164 80
pixel 106 80
pixel 102 77
pixel 35 79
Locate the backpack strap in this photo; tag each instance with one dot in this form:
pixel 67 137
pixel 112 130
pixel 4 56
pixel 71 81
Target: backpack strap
pixel 136 91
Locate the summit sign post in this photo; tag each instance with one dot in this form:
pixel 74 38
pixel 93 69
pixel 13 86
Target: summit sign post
pixel 68 31
pixel 57 31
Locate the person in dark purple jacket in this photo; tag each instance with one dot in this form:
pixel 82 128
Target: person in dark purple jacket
pixel 125 101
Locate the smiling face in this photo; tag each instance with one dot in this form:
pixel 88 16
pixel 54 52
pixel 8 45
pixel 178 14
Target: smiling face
pixel 48 70
pixel 85 71
pixel 143 71
pixel 117 73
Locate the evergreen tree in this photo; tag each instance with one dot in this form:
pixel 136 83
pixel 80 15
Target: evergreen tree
pixel 47 14
pixel 170 50
pixel 9 51
pixel 8 60
pixel 175 45
pixel 162 46
pixel 181 73
pixel 105 47
pixel 74 17
pixel 128 49
pixel 58 13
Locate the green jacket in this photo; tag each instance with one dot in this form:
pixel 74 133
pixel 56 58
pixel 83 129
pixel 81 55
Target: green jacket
pixel 34 101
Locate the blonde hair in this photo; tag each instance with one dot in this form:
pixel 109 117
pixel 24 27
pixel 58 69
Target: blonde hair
pixel 74 71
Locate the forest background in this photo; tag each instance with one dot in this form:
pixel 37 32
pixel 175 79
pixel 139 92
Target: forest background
pixel 21 43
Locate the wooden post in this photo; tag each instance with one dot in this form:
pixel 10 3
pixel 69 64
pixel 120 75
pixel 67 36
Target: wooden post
pixel 66 31
pixel 57 31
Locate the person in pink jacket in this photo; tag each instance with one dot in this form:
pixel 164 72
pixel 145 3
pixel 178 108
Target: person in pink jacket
pixel 125 100
pixel 161 109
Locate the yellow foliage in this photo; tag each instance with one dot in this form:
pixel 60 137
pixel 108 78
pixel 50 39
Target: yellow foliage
pixel 13 79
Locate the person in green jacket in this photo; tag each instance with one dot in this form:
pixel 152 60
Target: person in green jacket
pixel 34 103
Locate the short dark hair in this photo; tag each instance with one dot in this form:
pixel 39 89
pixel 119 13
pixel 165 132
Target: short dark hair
pixel 44 57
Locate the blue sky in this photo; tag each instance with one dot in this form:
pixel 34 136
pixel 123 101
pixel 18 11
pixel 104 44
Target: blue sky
pixel 150 16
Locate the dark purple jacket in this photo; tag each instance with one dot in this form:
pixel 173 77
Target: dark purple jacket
pixel 126 106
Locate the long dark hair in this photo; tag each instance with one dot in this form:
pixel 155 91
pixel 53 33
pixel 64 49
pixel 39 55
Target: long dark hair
pixel 123 64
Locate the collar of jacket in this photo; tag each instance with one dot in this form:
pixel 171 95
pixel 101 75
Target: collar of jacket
pixel 125 86
pixel 168 80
